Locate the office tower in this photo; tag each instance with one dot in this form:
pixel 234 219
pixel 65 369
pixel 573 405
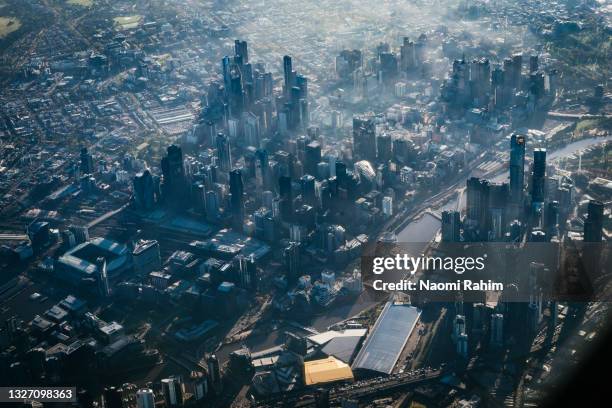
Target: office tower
pixel 462 345
pixel 307 184
pixel 288 73
pixel 210 175
pixel 102 277
pixel 480 80
pixel 251 129
pixel 517 66
pixel 477 206
pixel 174 186
pixel 341 174
pixel 388 67
pixel 497 329
pixel 408 57
pixel 237 199
pixel 198 385
pixel 322 171
pixel 214 372
pixel 235 93
pixel 145 398
pixel 383 144
pixel 68 240
pixel 551 216
pixel 172 389
pixel 294 107
pixel 112 397
pixel 291 258
pixel 226 64
pixel 223 152
pixel 247 272
pixel 537 84
pixel 262 169
pixel 81 233
pixel 517 168
pixel 451 226
pixel 212 205
pixel 387 206
pixel 286 163
pixel 301 82
pixel 537 275
pixel 533 63
pixel 304 113
pixel 364 138
pixel 459 327
pixel 312 157
pixel 87 166
pixel 593 225
pixel 146 257
pixel 267 198
pixel 265 225
pixel 498 202
pixel 538 180
pixel 144 191
pixel 198 197
pixel 347 63
pixel 400 150
pixel 497 87
pixel 240 48
pixel 286 196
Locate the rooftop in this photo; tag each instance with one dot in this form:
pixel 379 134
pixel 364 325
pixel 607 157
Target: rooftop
pixel 326 370
pixel 387 338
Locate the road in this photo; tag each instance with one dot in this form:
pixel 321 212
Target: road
pixel 357 390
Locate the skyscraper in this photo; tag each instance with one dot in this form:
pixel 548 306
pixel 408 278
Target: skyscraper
pixel 247 271
pixel 593 225
pixel 87 166
pixel 551 216
pixel 497 329
pixel 497 218
pixel 102 277
pixel 517 168
pixel 145 398
pixel 173 391
pixel 262 167
pixel 214 372
pixel 477 206
pixel 383 145
pixel 451 226
pixel 408 58
pixel 237 199
pixel 144 190
pixel 240 48
pixel 286 196
pixel 174 185
pixel 212 205
pixel 312 157
pixel 291 257
pixel 223 152
pixel 287 73
pixel 387 206
pixel 364 138
pixel 538 180
pixel 307 183
pixel 112 397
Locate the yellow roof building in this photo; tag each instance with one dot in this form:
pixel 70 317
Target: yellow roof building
pixel 327 370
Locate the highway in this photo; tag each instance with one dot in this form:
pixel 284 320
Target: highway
pixel 575 117
pixel 357 390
